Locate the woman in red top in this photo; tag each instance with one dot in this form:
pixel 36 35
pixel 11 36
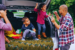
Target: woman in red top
pixel 41 18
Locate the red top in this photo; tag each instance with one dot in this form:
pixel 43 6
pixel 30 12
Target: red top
pixel 41 17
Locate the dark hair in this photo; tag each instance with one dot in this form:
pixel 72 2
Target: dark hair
pixel 24 18
pixel 2 7
pixel 40 6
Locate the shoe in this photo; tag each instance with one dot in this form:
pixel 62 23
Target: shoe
pixel 36 39
pixel 39 37
pixel 23 39
pixel 44 35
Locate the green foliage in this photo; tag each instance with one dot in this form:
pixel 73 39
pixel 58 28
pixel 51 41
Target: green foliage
pixel 54 6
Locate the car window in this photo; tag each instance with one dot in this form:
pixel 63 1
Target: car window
pixel 19 14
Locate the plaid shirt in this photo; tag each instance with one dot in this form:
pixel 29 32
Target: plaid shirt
pixel 66 31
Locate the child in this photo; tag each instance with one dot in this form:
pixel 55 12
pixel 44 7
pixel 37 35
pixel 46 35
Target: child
pixel 28 29
pixel 3 26
pixel 41 18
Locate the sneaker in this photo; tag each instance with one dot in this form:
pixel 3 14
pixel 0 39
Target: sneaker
pixel 23 39
pixel 36 39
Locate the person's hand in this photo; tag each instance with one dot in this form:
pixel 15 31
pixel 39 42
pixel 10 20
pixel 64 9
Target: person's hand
pixel 2 14
pixel 34 30
pixel 53 20
pixel 36 4
pixel 7 40
pixel 55 12
pixel 49 14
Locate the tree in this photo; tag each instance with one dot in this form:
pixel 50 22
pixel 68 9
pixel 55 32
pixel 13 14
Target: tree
pixel 54 6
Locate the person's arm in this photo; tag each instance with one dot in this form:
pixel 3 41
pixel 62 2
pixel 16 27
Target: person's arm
pixel 57 16
pixel 6 20
pixel 32 26
pixel 56 25
pixel 34 30
pixel 36 6
pixel 35 9
pixel 6 39
pixel 64 26
pixel 47 15
pixel 3 15
pixel 54 22
pixel 7 26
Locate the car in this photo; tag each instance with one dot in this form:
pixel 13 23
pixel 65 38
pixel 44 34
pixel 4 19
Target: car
pixel 27 7
pixel 22 4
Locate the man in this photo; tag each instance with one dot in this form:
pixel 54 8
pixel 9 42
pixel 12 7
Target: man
pixel 66 27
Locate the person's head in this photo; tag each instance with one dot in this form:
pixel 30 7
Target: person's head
pixel 3 7
pixel 63 9
pixel 26 20
pixel 42 7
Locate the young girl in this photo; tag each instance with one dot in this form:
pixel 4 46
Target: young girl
pixel 41 18
pixel 3 26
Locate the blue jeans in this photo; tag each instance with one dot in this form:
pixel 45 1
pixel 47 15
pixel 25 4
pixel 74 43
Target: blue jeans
pixel 39 28
pixel 29 33
pixel 66 47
